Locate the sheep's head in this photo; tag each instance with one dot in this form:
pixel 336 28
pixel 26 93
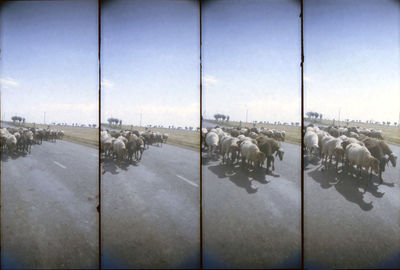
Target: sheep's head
pixel 279 153
pixel 375 165
pixel 260 156
pixel 392 158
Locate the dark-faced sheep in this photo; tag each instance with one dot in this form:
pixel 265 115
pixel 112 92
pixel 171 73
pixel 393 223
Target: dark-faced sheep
pixel 270 147
pixel 381 151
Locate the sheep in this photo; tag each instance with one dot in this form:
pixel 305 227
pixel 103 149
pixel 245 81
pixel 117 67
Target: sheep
pixel 11 142
pixel 165 137
pixel 381 151
pixel 278 135
pixel 139 148
pixel 234 133
pixel 230 145
pixel 212 141
pixel 360 156
pixel 204 132
pixel 131 145
pixel 268 133
pixel 251 154
pixel 106 142
pixel 122 138
pixel 332 147
pixel 334 131
pixel 119 149
pixel 253 135
pixel 60 134
pixel 376 134
pixel 270 147
pixel 311 142
pixel 353 135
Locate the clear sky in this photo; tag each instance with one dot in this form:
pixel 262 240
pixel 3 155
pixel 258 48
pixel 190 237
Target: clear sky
pixel 251 59
pixel 49 61
pixel 150 62
pixel 352 59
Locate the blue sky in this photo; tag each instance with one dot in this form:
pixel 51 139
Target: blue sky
pixel 150 62
pixel 352 59
pixel 251 59
pixel 49 61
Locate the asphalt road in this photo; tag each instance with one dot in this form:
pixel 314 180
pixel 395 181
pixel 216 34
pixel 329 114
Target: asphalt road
pixel 49 216
pixel 151 211
pixel 252 220
pixel 347 228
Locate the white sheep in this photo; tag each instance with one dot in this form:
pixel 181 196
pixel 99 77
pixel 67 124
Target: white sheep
pixel 251 153
pixel 311 142
pixel 360 156
pixel 212 141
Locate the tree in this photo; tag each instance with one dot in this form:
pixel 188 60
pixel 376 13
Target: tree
pixel 110 121
pixel 320 116
pixel 14 118
pixel 23 120
pixel 227 118
pixel 120 122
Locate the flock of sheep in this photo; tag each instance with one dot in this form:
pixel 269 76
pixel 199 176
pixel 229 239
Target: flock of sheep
pixel 351 146
pixel 14 140
pixel 251 146
pixel 126 144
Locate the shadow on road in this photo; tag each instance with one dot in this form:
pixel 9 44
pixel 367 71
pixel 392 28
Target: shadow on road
pixel 112 166
pixel 240 176
pixel 7 156
pixel 351 188
pixel 310 160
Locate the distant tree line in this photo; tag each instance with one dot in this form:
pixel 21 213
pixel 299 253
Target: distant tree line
pixel 115 121
pixel 314 115
pixel 219 116
pixel 18 118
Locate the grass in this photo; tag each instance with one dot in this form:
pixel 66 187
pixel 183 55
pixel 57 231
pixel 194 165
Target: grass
pixel 178 137
pixel 293 133
pixel 81 135
pixel 390 134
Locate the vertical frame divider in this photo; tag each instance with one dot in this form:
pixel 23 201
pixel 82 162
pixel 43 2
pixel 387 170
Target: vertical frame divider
pixel 200 153
pixel 99 125
pixel 302 136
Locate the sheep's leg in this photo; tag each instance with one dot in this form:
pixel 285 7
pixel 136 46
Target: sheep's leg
pixel 273 163
pixel 380 175
pixel 337 163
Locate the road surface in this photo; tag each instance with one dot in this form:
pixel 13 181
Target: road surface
pixel 347 228
pixel 252 220
pixel 48 215
pixel 151 210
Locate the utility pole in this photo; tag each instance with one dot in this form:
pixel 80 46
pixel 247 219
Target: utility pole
pixel 247 110
pixel 339 113
pixel 140 119
pixel 44 118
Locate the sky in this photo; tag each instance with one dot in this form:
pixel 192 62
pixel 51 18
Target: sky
pixel 352 59
pixel 251 59
pixel 49 61
pixel 150 63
